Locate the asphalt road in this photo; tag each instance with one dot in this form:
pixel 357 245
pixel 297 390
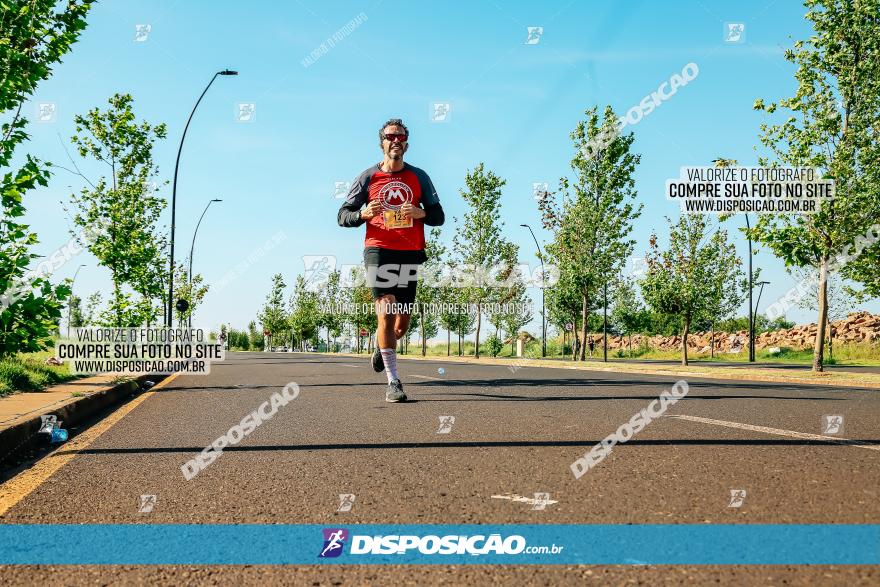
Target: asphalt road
pixel 740 364
pixel 513 433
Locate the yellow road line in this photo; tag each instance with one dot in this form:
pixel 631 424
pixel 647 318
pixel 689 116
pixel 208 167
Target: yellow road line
pixel 20 486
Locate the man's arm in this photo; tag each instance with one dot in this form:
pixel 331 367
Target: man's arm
pixel 434 215
pixel 349 214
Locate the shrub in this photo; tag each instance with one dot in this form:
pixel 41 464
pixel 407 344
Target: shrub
pixel 494 345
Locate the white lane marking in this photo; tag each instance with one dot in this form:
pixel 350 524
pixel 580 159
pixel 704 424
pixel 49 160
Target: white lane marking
pixel 520 498
pixel 428 377
pixel 780 432
pixel 352 366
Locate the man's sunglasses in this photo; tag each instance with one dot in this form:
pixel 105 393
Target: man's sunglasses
pixel 400 137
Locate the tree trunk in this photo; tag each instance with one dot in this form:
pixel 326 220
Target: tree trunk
pixel 584 329
pixel 819 343
pixel 477 339
pixel 448 341
pixel 116 301
pixel 684 341
pixel 605 323
pixel 830 339
pixel 422 324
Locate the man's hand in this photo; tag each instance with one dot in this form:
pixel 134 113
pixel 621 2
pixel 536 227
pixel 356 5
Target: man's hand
pixel 372 209
pixel 410 211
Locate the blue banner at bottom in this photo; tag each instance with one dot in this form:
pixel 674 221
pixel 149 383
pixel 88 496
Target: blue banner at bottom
pixel 225 544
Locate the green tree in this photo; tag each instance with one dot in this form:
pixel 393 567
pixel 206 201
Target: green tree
pixel 695 276
pixel 564 304
pixel 92 309
pixel 34 36
pixel 75 313
pixel 193 291
pixel 273 317
pixel 255 337
pixel 303 316
pixel 125 205
pixel 329 300
pixel 448 316
pixel 628 313
pixel 592 225
pixel 831 125
pixel 477 241
pixel 865 270
pixel 512 298
pixel 429 291
pixel 839 302
pixel 360 298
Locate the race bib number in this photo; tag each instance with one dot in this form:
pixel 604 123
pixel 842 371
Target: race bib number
pixel 396 219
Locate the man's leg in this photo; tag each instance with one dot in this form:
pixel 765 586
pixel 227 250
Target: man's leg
pixel 385 335
pixel 401 325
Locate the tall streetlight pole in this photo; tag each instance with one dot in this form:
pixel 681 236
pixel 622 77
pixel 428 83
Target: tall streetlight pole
pixel 543 311
pixel 69 306
pixel 751 289
pixel 189 275
pixel 174 197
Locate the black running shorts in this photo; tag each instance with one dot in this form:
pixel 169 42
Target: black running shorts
pixel 393 272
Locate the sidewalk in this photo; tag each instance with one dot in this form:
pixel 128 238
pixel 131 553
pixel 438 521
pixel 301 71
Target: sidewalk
pixel 72 402
pixel 23 406
pixel 831 378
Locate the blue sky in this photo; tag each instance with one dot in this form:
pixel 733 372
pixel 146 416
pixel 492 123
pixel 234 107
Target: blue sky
pixel 513 106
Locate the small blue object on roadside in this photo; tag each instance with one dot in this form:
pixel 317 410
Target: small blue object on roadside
pixel 51 427
pixel 59 435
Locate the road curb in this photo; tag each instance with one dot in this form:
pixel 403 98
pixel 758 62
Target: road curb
pixel 73 413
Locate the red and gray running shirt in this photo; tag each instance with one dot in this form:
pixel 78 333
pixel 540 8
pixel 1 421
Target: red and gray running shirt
pixel 392 189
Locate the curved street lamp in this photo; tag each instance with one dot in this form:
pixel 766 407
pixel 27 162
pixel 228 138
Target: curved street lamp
pixel 174 196
pixel 543 309
pixel 189 275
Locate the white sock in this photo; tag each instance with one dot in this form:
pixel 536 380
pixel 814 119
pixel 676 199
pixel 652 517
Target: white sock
pixel 389 358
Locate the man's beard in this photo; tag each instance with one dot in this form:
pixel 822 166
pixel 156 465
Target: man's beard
pixel 396 154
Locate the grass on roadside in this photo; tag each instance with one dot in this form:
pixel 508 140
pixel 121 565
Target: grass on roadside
pixel 29 372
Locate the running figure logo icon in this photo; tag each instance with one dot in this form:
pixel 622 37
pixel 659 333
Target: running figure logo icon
pixel 734 32
pixel 317 270
pixel 146 504
pixel 832 424
pixel 737 497
pixel 534 34
pixel 395 194
pixel 334 541
pixel 346 502
pixel 541 501
pixel 446 423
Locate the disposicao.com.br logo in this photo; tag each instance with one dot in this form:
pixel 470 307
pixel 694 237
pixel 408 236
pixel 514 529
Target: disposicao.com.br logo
pixel 479 544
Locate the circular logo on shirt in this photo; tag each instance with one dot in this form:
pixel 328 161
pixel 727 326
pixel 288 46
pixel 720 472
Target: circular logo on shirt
pixel 395 194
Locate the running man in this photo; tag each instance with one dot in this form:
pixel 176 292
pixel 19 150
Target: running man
pixel 395 200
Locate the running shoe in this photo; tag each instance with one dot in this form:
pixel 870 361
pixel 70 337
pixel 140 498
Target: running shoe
pixel 395 392
pixel 377 362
